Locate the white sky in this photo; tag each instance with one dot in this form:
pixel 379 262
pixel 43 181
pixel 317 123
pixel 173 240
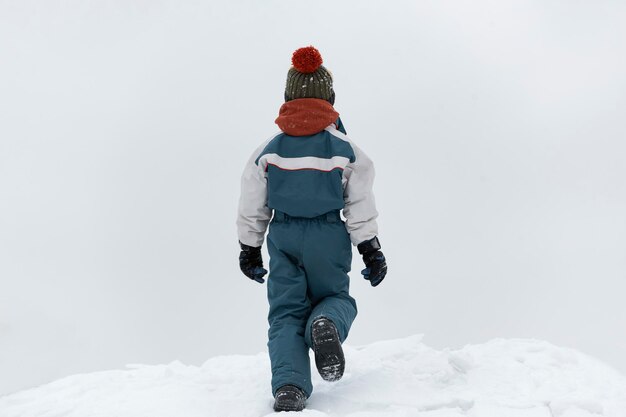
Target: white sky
pixel 497 130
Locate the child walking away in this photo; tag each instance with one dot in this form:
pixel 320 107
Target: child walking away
pixel 305 175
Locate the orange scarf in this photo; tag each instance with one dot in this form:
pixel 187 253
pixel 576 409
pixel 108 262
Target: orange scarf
pixel 305 116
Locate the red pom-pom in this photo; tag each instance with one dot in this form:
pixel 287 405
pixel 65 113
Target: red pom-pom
pixel 306 60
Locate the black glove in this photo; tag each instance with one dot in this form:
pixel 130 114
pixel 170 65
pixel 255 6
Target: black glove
pixel 251 263
pixel 375 263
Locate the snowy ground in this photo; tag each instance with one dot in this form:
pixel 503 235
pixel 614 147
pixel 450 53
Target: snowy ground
pixel 501 378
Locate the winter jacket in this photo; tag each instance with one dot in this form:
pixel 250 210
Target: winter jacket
pixel 307 169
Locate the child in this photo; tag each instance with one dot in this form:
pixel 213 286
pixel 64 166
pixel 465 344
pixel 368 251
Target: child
pixel 305 175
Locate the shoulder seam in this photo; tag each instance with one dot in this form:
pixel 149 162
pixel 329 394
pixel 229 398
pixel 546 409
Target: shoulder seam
pixel 341 136
pixel 264 144
pixel 336 133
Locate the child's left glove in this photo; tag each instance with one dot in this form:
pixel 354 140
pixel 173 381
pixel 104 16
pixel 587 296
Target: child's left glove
pixel 375 262
pixel 251 263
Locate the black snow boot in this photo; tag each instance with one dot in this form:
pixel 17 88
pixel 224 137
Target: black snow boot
pixel 329 357
pixel 289 398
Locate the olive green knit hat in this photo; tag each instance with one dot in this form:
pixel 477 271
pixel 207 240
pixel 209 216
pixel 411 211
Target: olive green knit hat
pixel 308 78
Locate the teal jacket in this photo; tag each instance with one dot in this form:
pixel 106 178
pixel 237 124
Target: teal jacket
pixel 306 175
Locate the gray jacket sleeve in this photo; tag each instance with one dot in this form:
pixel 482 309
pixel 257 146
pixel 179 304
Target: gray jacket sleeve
pixel 360 206
pixel 253 214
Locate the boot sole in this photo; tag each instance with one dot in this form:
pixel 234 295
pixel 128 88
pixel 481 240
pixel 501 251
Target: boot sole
pixel 288 408
pixel 329 357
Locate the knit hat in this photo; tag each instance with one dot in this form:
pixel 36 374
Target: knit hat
pixel 308 78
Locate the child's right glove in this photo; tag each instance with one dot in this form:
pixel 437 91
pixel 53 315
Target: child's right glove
pixel 251 263
pixel 375 263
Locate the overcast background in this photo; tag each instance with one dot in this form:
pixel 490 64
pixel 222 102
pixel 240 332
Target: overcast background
pixel 497 129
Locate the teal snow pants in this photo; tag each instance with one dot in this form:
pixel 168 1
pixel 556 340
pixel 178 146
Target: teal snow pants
pixel 309 263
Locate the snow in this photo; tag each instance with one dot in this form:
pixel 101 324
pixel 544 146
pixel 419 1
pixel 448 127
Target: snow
pixel 404 377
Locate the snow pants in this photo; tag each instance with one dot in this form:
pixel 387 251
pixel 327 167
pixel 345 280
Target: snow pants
pixel 308 278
